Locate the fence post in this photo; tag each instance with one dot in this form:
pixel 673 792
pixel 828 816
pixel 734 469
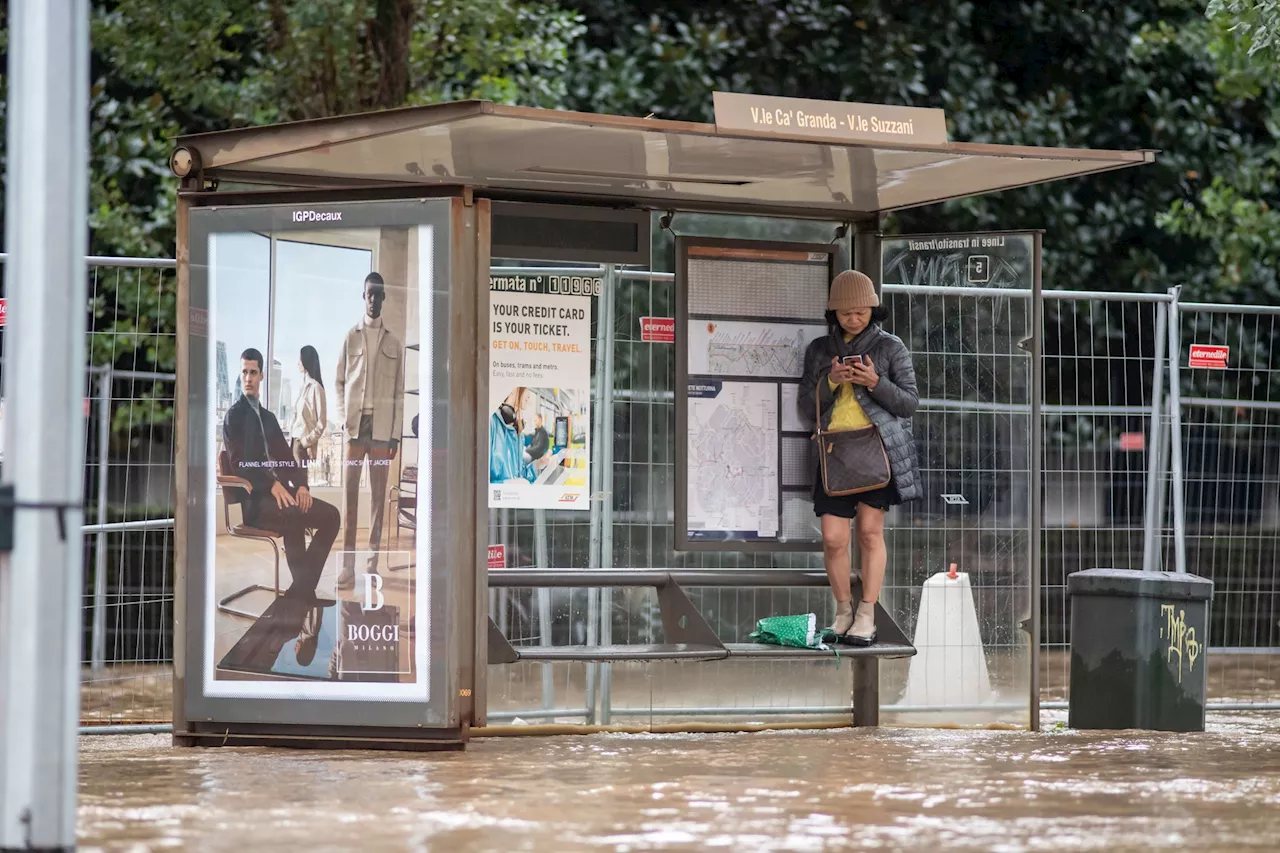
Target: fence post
pixel 604 320
pixel 98 648
pixel 542 596
pixel 1154 506
pixel 1175 435
pixel 608 282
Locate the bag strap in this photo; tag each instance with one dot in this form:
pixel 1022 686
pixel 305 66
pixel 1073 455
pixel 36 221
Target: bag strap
pixel 817 406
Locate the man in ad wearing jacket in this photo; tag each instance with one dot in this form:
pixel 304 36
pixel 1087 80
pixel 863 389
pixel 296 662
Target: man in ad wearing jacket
pixel 280 500
pixel 370 391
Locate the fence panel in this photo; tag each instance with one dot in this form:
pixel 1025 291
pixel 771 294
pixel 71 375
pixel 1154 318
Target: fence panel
pixel 128 486
pixel 1103 365
pixel 1229 361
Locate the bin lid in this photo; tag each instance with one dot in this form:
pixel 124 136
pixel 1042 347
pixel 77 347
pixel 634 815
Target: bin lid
pixel 1130 583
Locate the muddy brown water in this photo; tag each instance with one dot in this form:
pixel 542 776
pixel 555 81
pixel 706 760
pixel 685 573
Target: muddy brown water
pixel 887 789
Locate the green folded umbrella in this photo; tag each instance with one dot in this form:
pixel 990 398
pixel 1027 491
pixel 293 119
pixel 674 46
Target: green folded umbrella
pixel 799 632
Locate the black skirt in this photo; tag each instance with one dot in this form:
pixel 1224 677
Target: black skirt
pixel 846 506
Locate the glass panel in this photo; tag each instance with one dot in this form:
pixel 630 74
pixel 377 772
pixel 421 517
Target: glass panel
pixel 972 433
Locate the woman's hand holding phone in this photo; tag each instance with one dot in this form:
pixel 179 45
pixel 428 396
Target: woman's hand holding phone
pixel 864 372
pixel 841 371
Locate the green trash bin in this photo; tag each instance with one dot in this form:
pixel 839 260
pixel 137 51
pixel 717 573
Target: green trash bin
pixel 1138 650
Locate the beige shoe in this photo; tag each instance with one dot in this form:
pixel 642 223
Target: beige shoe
pixel 844 618
pixel 863 632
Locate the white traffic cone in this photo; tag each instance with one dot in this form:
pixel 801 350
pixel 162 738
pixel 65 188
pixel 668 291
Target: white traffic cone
pixel 950 665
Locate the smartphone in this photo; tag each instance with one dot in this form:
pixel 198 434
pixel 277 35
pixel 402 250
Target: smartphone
pixel 853 359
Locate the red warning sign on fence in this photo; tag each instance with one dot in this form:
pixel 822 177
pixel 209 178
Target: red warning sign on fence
pixel 658 330
pixel 497 556
pixel 1132 441
pixel 1212 356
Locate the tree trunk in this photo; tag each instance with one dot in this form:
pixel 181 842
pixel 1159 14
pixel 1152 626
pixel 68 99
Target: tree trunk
pixel 392 28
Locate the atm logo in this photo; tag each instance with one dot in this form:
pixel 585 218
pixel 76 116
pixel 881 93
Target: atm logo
pixel 317 216
pixel 568 498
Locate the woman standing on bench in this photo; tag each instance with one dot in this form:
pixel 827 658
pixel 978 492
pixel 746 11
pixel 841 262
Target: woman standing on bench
pixel 860 387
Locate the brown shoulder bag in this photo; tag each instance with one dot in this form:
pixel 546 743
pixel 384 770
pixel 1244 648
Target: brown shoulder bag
pixel 851 461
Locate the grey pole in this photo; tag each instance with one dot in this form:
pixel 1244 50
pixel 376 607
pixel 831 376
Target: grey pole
pixel 604 319
pixel 99 645
pixel 1175 436
pixel 1154 521
pixel 542 560
pixel 40 581
pixel 606 342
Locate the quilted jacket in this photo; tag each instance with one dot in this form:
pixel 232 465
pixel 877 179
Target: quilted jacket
pixel 889 407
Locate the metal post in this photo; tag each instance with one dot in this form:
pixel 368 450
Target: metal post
pixel 1175 436
pixel 99 642
pixel 604 320
pixel 866 691
pixel 543 597
pixel 1153 521
pixel 867 258
pixel 1035 511
pixel 606 342
pixel 40 581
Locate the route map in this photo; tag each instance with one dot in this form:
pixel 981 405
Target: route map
pixel 735 348
pixel 733 458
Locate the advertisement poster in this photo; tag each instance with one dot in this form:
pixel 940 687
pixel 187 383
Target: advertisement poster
pixel 539 391
pixel 317 586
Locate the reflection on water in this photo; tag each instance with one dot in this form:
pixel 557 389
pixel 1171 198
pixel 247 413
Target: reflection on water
pixel 806 791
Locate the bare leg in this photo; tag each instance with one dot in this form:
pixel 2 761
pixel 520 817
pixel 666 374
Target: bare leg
pixel 870 527
pixel 875 556
pixel 835 557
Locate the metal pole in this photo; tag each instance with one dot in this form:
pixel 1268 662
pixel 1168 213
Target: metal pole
pixel 1153 521
pixel 1035 511
pixel 99 644
pixel 1175 436
pixel 609 283
pixel 604 320
pixel 543 598
pixel 1162 493
pixel 40 581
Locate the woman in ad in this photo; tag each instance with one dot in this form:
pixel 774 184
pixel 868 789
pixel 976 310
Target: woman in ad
pixel 859 375
pixel 310 411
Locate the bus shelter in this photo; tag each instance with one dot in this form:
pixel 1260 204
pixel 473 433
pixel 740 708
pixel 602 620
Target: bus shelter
pixel 450 376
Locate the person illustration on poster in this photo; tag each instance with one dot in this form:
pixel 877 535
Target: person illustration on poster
pixel 506 449
pixel 279 499
pixel 311 414
pixel 539 444
pixel 370 388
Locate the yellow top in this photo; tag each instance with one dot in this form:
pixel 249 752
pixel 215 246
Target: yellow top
pixel 846 413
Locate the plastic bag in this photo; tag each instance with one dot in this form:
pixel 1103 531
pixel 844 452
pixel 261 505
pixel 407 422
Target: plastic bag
pixel 800 632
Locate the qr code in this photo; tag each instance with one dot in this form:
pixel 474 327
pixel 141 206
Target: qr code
pixel 497 494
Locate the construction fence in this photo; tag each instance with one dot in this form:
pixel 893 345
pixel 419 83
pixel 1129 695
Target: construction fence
pixel 1150 458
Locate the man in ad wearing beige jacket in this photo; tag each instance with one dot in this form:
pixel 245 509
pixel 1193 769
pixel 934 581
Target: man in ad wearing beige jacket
pixel 370 390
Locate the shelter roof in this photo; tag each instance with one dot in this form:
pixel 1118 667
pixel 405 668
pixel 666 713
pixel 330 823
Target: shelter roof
pixel 657 163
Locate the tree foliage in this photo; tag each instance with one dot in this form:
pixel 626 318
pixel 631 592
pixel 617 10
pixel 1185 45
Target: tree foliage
pixel 1135 74
pixel 1254 23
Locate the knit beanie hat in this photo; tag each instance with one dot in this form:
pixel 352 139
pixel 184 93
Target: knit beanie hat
pixel 852 289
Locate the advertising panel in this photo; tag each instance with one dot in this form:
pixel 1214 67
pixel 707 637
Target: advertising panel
pixel 317 575
pixel 540 391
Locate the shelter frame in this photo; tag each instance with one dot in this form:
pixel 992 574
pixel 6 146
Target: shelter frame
pixel 478 153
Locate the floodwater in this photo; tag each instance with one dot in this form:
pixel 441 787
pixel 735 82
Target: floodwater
pixel 886 789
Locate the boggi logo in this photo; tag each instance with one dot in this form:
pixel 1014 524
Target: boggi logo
pixel 317 216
